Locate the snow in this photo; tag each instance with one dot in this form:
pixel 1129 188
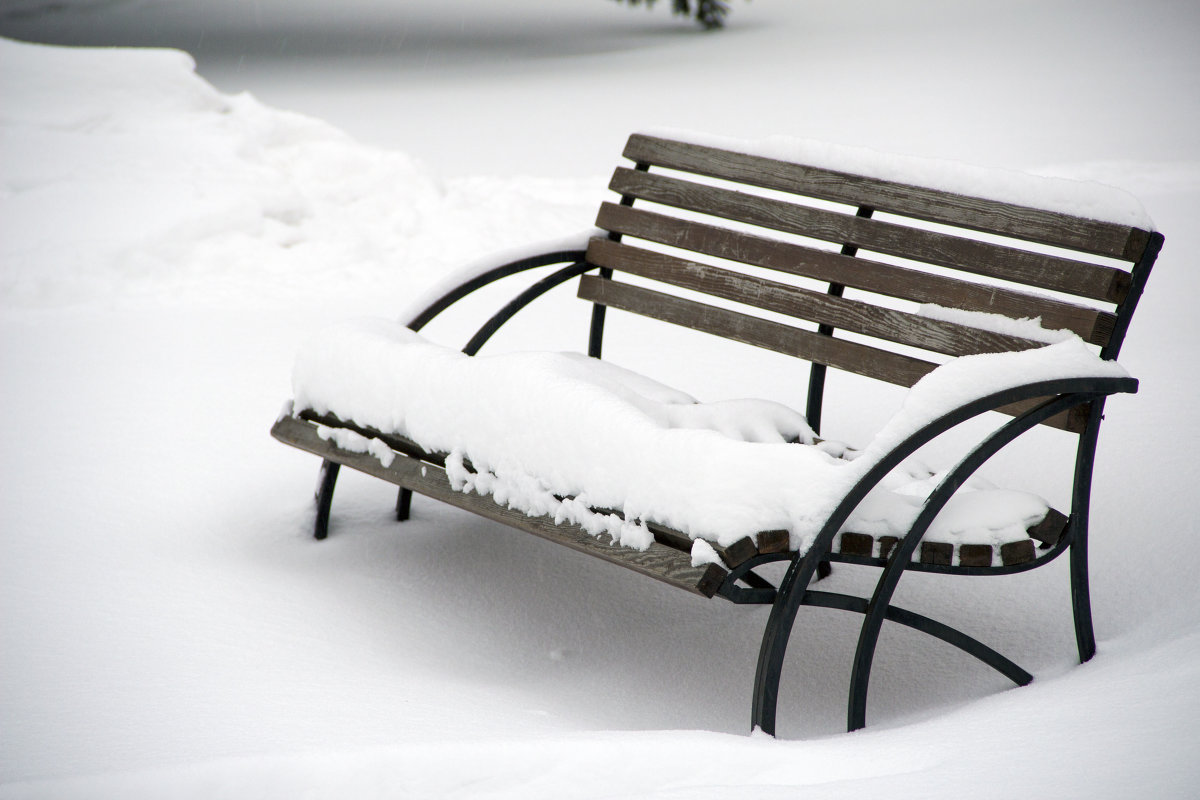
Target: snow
pixel 538 427
pixel 703 553
pixel 1026 328
pixel 254 199
pixel 171 628
pixel 1086 199
pixel 357 443
pixel 454 278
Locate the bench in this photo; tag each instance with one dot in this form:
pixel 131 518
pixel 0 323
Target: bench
pixel 946 278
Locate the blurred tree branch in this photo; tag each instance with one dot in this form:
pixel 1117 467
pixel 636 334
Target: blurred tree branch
pixel 709 13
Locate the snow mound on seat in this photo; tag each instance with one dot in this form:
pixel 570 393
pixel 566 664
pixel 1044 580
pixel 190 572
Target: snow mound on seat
pixel 560 434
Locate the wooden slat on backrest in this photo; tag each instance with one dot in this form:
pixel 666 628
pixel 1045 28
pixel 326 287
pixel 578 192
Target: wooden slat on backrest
pixel 846 231
pixel 857 358
pixel 883 323
pixel 981 258
pixel 1092 325
pixel 991 216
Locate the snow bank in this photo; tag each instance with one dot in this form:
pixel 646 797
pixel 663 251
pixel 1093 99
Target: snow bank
pixel 559 434
pixel 1085 199
pixel 124 176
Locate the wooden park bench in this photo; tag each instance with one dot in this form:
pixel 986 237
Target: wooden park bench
pixel 692 239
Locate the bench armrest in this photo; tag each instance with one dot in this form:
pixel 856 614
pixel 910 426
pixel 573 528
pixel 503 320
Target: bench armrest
pixel 893 446
pixel 478 274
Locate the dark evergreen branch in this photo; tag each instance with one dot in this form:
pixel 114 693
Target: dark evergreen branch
pixel 709 13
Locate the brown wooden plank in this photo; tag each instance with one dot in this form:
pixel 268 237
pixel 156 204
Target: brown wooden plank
pixel 1017 552
pixel 739 552
pixel 981 258
pixel 933 205
pixel 838 353
pixel 659 561
pixel 399 443
pixel 773 541
pixel 1073 420
pixel 975 555
pixel 857 316
pixel 733 555
pixel 860 545
pixel 886 545
pixel 940 553
pixel 1092 325
pixel 1051 528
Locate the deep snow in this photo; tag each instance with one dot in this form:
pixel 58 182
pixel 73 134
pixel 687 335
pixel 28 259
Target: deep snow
pixel 169 627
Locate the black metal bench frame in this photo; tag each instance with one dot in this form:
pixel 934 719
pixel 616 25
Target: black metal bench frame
pixel 1075 404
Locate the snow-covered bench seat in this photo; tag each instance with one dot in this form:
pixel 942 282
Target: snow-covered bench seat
pixel 979 290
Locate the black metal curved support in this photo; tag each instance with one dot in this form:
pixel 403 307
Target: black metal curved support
pixel 403 504
pixel 577 267
pixel 520 301
pixel 1081 597
pixel 816 372
pixel 492 275
pixel 596 333
pixel 924 624
pixel 326 480
pixel 860 674
pixel 789 597
pixel 761 591
pixel 1137 284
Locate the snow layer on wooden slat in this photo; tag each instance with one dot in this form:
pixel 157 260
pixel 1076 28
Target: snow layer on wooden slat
pixel 560 434
pixel 1086 199
pixel 1024 327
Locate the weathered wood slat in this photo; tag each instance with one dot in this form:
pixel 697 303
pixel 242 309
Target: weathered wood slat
pixel 975 555
pixel 1073 420
pixel 668 559
pixel 939 553
pixel 773 541
pixel 860 547
pixel 733 555
pixel 1092 325
pixel 990 216
pixel 659 561
pixel 851 315
pixel 981 258
pixel 399 443
pixel 850 356
pixel 1017 552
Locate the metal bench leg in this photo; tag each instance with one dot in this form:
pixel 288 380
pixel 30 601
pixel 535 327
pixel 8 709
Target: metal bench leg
pixel 403 504
pixel 788 599
pixel 326 480
pixel 1081 604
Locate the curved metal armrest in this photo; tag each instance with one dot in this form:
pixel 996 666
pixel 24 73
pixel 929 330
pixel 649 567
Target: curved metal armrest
pixel 490 276
pixel 1063 393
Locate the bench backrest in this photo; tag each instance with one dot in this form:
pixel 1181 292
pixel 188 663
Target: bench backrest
pixel 894 244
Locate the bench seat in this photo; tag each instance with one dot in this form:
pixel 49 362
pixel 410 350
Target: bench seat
pixel 722 472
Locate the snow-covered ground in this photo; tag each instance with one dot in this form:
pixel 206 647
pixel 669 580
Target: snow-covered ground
pixel 167 626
